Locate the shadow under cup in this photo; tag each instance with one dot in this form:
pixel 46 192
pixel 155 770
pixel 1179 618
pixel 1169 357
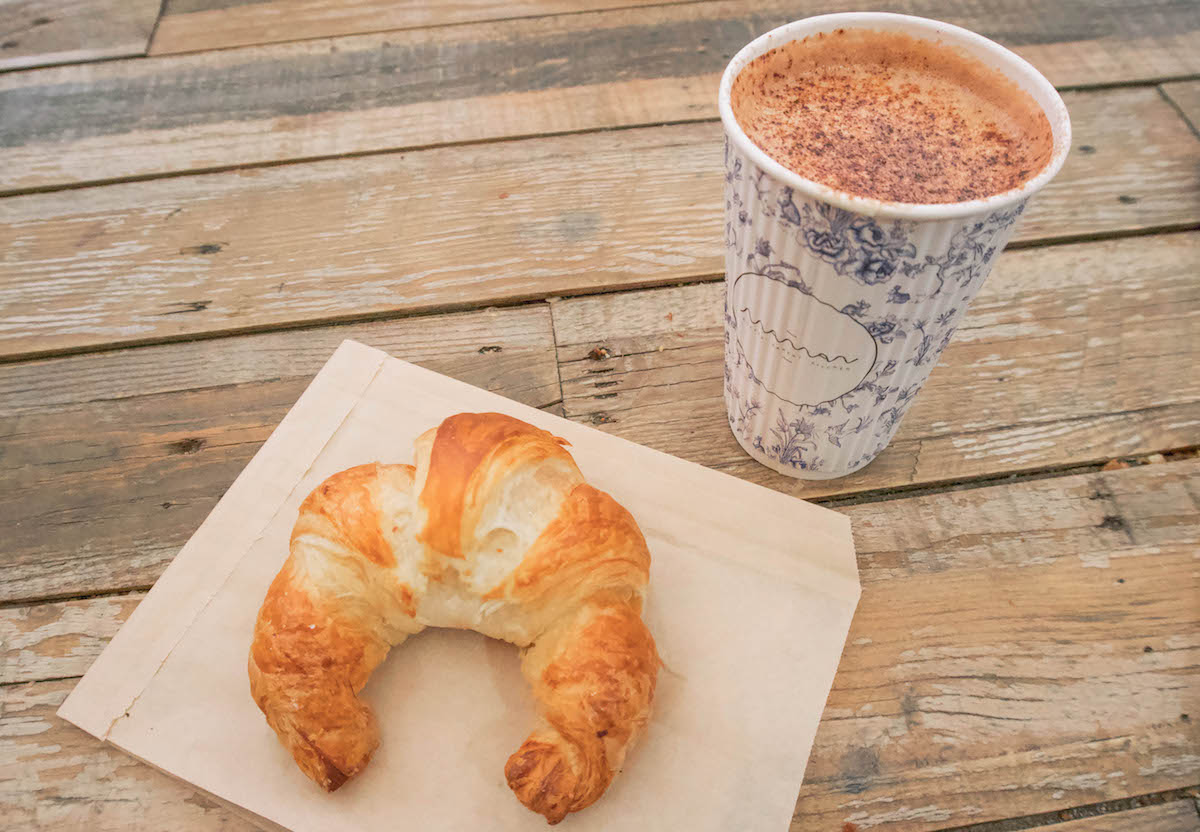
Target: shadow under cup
pixel 867 293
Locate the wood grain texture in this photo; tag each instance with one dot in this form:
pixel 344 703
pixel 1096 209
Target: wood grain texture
pixel 999 627
pixel 509 351
pixel 1186 96
pixel 58 640
pixel 1077 518
pixel 55 777
pixel 1177 816
pixel 898 539
pixel 468 226
pixel 112 460
pixel 488 81
pixel 43 32
pixel 1069 354
pixel 979 694
pixel 197 25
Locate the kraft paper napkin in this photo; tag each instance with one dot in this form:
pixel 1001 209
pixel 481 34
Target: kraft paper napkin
pixel 750 600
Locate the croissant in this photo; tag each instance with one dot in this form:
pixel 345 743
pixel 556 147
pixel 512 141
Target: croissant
pixel 494 530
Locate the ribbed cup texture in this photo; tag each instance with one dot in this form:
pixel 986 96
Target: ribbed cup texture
pixel 833 319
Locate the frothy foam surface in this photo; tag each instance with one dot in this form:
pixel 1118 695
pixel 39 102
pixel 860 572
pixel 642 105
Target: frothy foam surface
pixel 891 116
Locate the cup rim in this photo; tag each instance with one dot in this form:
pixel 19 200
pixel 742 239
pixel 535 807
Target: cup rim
pixel 1004 60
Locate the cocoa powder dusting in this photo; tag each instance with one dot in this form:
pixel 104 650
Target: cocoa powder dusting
pixel 888 116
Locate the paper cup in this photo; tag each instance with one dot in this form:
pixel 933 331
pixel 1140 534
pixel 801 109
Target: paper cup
pixel 838 306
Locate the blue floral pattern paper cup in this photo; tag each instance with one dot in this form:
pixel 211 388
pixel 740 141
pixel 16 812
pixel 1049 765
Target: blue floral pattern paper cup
pixel 838 306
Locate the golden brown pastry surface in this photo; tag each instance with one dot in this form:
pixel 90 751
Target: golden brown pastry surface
pixel 493 530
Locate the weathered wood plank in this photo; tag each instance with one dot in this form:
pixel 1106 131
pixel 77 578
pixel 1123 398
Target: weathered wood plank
pixel 999 627
pixel 900 539
pixel 197 25
pixel 509 351
pixel 487 81
pixel 54 776
pixel 1176 816
pixel 1186 96
pixel 975 695
pixel 59 640
pixel 43 32
pixel 1069 354
pixel 1077 518
pixel 471 225
pixel 112 460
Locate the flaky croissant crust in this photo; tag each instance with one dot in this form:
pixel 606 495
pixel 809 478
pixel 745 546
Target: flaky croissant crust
pixel 495 530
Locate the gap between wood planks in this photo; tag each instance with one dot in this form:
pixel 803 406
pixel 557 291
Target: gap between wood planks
pixel 1108 808
pixel 356 106
pixel 989 537
pixel 416 148
pixel 162 10
pixel 492 249
pixel 831 502
pixel 1181 802
pixel 180 28
pixel 881 494
pixel 451 24
pixel 510 302
pixel 1184 98
pixel 148 434
pixel 122 592
pixel 1168 457
pixel 301 326
pixel 555 407
pixel 96 53
pixel 835 502
pixel 179 43
pixel 353 154
pixel 1116 234
pixel 1099 85
pixel 47 33
pixel 519 137
pixel 503 303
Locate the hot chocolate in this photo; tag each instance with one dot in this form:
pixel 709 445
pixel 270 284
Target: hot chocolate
pixel 891 116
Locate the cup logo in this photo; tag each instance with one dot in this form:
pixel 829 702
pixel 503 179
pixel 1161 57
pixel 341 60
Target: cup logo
pixel 811 352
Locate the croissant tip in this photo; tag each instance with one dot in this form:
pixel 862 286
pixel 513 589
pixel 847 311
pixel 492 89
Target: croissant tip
pixel 331 778
pixel 539 776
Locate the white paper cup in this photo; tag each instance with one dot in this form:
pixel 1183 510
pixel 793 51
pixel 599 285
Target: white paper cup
pixel 838 306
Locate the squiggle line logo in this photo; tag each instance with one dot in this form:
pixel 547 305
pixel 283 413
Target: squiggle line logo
pixel 798 348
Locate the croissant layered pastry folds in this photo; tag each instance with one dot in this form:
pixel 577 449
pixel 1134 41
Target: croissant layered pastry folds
pixel 493 530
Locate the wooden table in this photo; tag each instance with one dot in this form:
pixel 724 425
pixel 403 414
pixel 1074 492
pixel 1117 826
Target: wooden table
pixel 527 196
